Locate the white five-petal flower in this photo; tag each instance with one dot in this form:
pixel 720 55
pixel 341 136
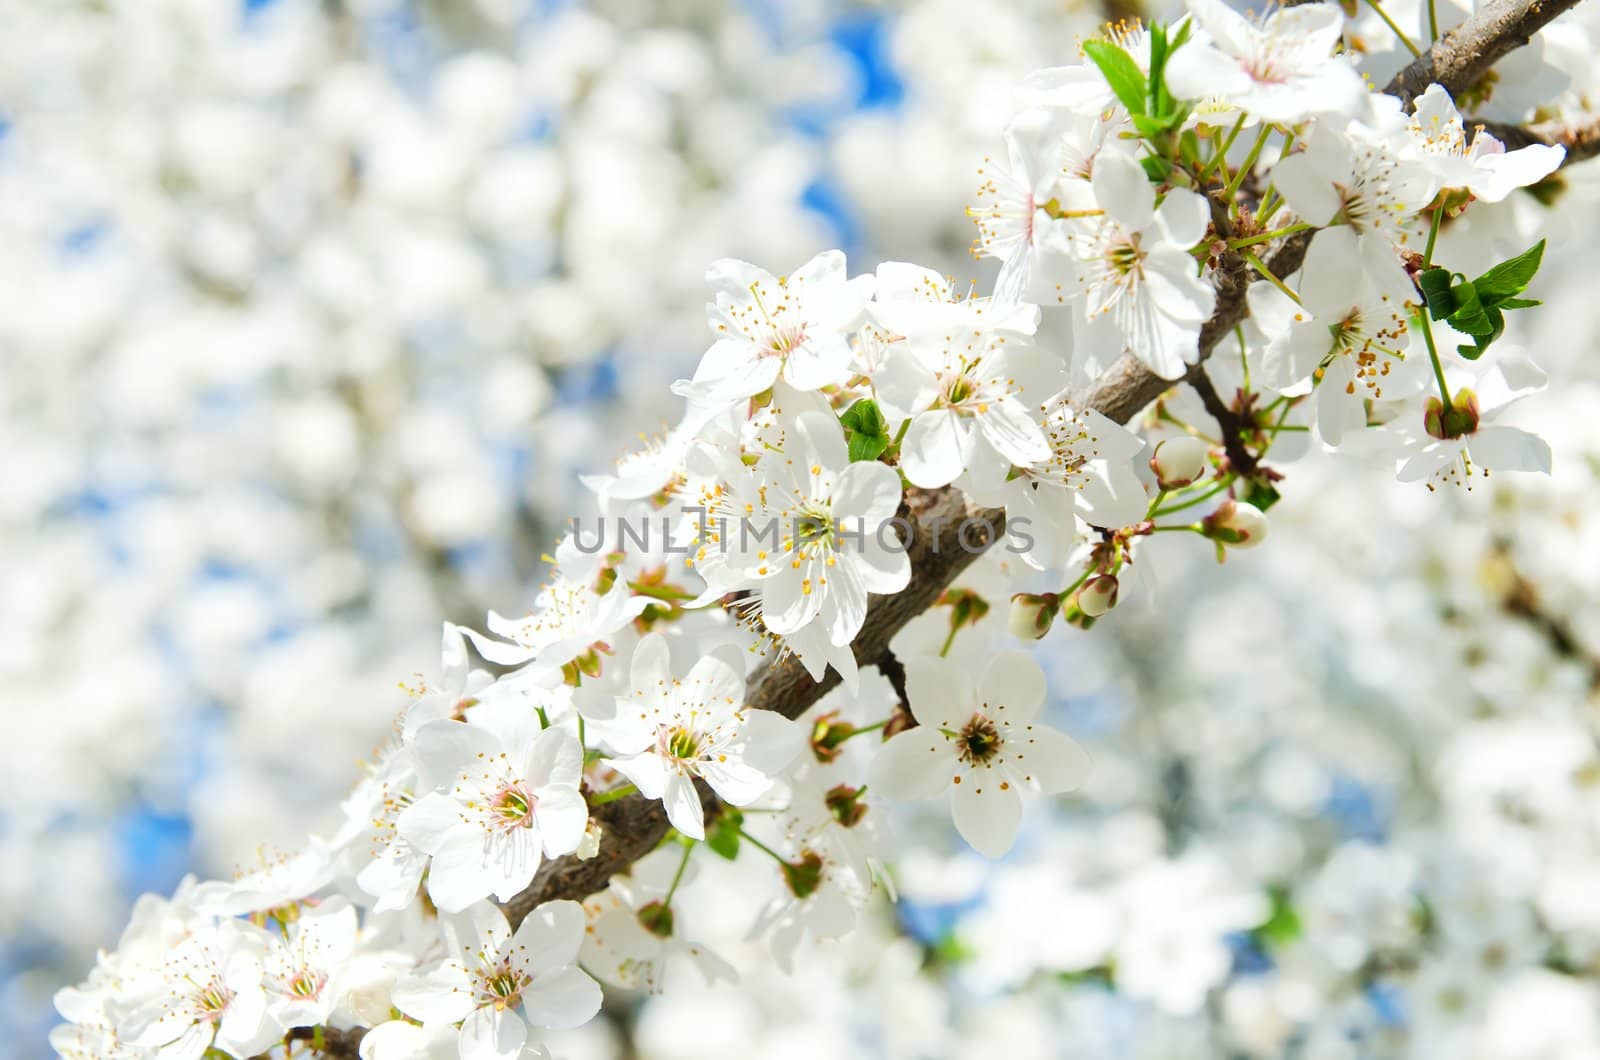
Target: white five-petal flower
pixel 1140 287
pixel 984 743
pixel 502 791
pixel 669 731
pixel 502 982
pixel 1279 69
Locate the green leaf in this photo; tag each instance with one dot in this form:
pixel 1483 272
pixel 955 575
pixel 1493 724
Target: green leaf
pixel 1262 494
pixel 1497 327
pixel 1469 316
pixel 1435 284
pixel 1127 81
pixel 866 430
pixel 1282 925
pixel 1158 169
pixel 724 835
pixel 1510 278
pixel 1518 303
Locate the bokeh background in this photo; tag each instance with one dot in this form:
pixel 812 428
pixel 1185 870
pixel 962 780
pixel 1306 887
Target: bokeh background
pixel 312 311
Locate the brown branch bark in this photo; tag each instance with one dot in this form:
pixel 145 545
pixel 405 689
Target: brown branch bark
pixel 1581 141
pixel 1462 56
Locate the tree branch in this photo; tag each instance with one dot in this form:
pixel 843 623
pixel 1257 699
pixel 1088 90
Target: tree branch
pixel 1462 56
pixel 1581 141
pixel 948 535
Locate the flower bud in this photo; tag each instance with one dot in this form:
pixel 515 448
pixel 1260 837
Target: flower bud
pixel 1098 595
pixel 1179 461
pixel 1237 524
pixel 1032 614
pixel 827 734
pixel 656 918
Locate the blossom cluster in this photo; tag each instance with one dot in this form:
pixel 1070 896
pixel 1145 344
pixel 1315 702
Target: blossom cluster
pixel 1145 188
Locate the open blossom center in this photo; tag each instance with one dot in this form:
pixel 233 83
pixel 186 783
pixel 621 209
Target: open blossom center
pixel 965 390
pixel 784 339
pixel 979 740
pixel 513 807
pixel 501 985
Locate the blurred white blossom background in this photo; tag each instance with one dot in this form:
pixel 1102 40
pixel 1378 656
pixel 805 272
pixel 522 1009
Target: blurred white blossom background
pixel 311 313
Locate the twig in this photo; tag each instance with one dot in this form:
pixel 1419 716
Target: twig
pixel 1462 56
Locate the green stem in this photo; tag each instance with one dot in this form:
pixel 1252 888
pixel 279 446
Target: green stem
pixel 1416 53
pixel 1433 237
pixel 874 727
pixel 601 798
pixel 759 845
pixel 1222 151
pixel 1433 21
pixel 1424 314
pixel 1199 498
pixel 1249 164
pixel 677 878
pixel 1077 583
pixel 1433 355
pixel 1261 267
pixel 949 640
pixel 1286 230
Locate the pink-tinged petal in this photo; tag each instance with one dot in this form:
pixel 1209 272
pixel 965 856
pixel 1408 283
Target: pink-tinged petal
pixel 915 764
pixel 1046 760
pixel 1012 688
pixel 683 806
pixel 566 999
pixel 441 994
pixel 940 691
pixel 548 938
pixel 934 450
pixel 987 815
pixel 493 1033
